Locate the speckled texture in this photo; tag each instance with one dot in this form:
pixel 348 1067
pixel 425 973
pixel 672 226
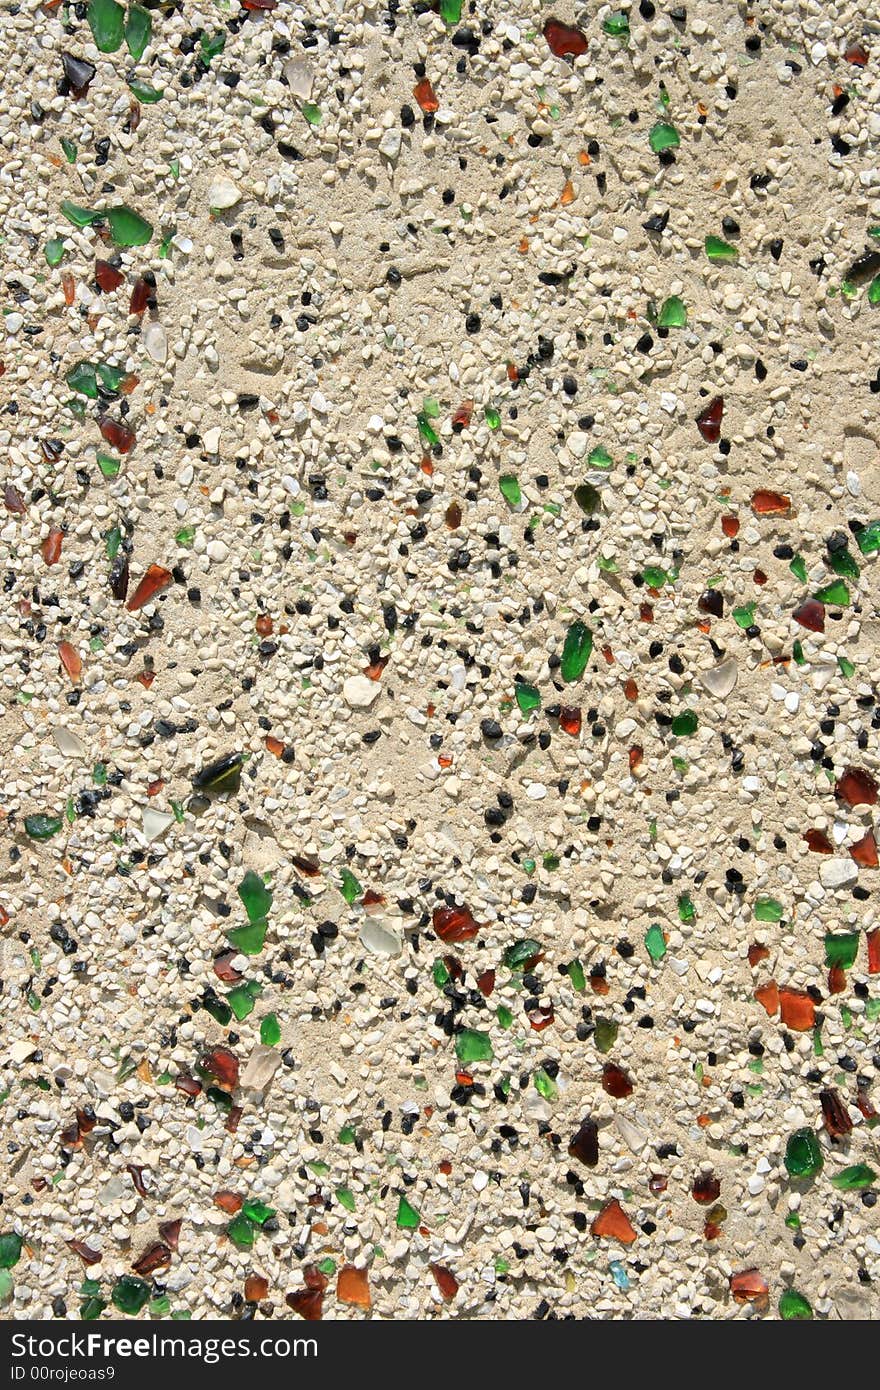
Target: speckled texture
pixel 495 255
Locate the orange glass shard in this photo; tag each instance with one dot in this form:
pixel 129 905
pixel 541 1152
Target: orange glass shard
pixel 154 581
pixel 749 1286
pixel 873 938
pixel 836 980
pixel 856 787
pixel 68 285
pixel 227 1201
pixel 353 1286
pixel 425 95
pixel 570 720
pixel 767 503
pixel 768 997
pixel 256 1287
pixel 757 953
pixel 797 1010
pixel 613 1223
pixel 70 660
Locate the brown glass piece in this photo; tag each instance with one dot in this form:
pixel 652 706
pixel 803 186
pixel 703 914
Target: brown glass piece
pixel 811 615
pixel 117 435
pixel 768 503
pixel 709 420
pixel 797 1010
pixel 51 546
pixel 570 720
pixel 864 851
pixel 835 1115
pixel 71 661
pixel 85 1252
pixel 140 295
pixel 454 924
pixel 223 968
pixel 584 1144
pixel 819 842
pixel 136 1174
pixel 750 1286
pixel 613 1223
pixel 353 1286
pixel 227 1201
pixel 711 602
pixel 222 1066
pixel 13 500
pixel 107 277
pixel 706 1189
pixel 446 1281
pixel 169 1231
pixel 856 787
pixel 564 40
pixel 616 1081
pixel 256 1287
pixel 156 1256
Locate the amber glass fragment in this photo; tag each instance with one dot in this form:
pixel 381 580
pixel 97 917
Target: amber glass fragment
pixel 616 1081
pixel 154 581
pixel 223 967
pixel 425 95
pixel 750 1286
pixel 305 866
pixel 613 1223
pixel 564 39
pixel 85 1252
pixel 170 1232
pixel 835 1115
pixel 706 1189
pixel 68 285
pixel 797 1010
pixel 709 420
pixel 230 1202
pixel 256 1287
pixel 453 924
pixel 462 416
pixel 156 1256
pixel 819 842
pixel 353 1286
pixel 730 526
pixel 117 435
pixel 836 980
pixel 873 938
pixel 51 546
pixel 857 54
pixel 140 295
pixel 757 953
pixel 107 277
pixel 766 503
pixel 570 720
pixel 453 516
pixel 446 1281
pixel 856 787
pixel 307 1303
pixel 486 983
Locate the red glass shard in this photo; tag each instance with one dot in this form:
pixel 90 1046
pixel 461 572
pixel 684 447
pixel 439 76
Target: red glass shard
pixel 454 924
pixel 819 842
pixel 864 851
pixel 117 435
pixel 570 720
pixel 486 983
pixel 446 1281
pixel 51 546
pixel 856 787
pixel 706 1189
pixel 767 503
pixel 426 96
pixel 107 277
pixel 709 420
pixel 564 40
pixel 811 615
pixel 140 295
pixel 616 1081
pixel 613 1223
pixel 222 1066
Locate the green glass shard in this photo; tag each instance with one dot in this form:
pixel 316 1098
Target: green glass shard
pixel 588 498
pixel 129 1295
pixel 616 25
pixel 663 136
pixel 159 1307
pixel 241 1231
pixel 855 1178
pixel 545 1085
pixel 347 1135
pixel 257 1211
pixel 841 949
pixel 69 149
pixel 440 973
pixel 527 697
pixel 768 910
pixel 349 887
pixel 799 569
pixel 145 94
pixel 138 31
pixel 80 217
pixel 345 1197
pixel 843 563
pixel 270 1031
pixel 217 1009
pixel 673 313
pixel 312 112
pixel 605 1035
pixel 254 894
pixel 744 617
pixel 577 976
pixel 54 251
pixel 793 1307
pixel 654 576
pixel 42 827
pixel 504 1016
pixel 510 489
pixel 450 11
pixel 797 652
pixel 655 942
pixel 211 45
pixel 600 457
pixel 517 956
pixel 684 724
pixel 718 250
pixel 874 291
pixel 241 1001
pixel 803 1157
pixel 91 1308
pixel 426 430
pixel 407 1217
pixel 493 419
pixel 185 536
pixel 109 466
pixel 127 227
pixel 868 538
pixel 10 1249
pixel 686 910
pixel 249 940
pixel 107 22
pixel 845 666
pixel 836 593
pixel 576 651
pixel 83 378
pixel 473 1046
